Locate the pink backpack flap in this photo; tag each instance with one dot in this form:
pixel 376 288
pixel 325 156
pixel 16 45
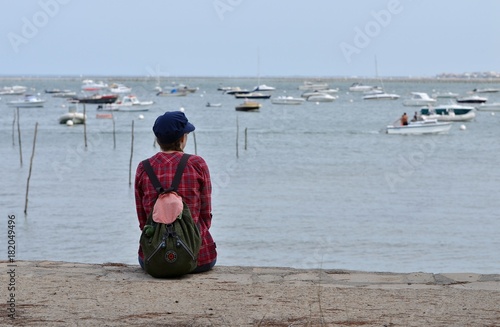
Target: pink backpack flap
pixel 167 208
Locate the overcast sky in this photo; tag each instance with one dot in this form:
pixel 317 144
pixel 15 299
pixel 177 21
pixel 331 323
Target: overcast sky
pixel 249 37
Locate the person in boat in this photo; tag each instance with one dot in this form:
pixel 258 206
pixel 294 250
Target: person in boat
pixel 171 130
pixel 415 117
pixel 404 120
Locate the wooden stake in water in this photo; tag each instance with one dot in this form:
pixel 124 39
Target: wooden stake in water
pixel 195 146
pixel 246 136
pixel 84 127
pixel 13 129
pixel 131 156
pixel 19 138
pixel 237 133
pixel 29 174
pixel 114 134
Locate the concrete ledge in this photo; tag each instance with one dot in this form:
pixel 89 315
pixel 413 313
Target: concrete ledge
pixel 73 294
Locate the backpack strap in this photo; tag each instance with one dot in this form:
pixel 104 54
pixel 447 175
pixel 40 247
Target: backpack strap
pixel 178 172
pixel 177 177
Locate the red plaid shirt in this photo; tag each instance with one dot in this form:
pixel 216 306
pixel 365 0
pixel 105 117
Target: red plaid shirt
pixel 195 189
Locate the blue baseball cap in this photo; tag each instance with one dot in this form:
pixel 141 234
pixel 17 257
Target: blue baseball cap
pixel 171 126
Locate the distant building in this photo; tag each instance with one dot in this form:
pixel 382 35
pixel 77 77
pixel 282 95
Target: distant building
pixel 474 75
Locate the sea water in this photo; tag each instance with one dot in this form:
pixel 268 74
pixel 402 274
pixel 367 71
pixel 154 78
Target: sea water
pixel 317 185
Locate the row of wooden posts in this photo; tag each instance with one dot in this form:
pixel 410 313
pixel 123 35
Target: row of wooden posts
pixel 16 118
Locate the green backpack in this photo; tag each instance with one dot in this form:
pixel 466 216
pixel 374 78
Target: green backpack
pixel 170 249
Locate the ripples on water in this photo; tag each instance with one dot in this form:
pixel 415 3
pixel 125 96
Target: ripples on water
pixel 319 185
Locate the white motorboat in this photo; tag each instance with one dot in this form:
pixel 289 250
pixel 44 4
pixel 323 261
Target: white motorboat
pixel 430 126
pixel 310 86
pixel 380 95
pixel 307 94
pixel 172 93
pixel 494 106
pixel 224 88
pixel 419 99
pixel 321 97
pixel 449 112
pixel 64 94
pixel 472 99
pixel 287 100
pixel 359 87
pixel 486 90
pixel 132 100
pixel 13 90
pixel 117 107
pixel 29 101
pixel 119 88
pixel 330 91
pixel 91 86
pixel 128 103
pixel 263 87
pixel 211 104
pixel 446 95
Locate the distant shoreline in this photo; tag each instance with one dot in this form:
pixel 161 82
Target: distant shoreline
pixel 267 78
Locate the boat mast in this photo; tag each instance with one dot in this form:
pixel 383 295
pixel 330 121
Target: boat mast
pixel 376 74
pixel 258 67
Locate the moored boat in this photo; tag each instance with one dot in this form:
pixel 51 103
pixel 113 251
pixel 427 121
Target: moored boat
pixel 450 112
pixel 419 99
pixel 494 106
pixel 64 94
pixel 128 103
pixel 307 94
pixel 287 100
pixel 172 93
pixel 97 98
pixel 29 101
pixel 310 86
pixel 380 96
pixel 72 115
pixel 252 95
pixel 89 85
pixel 248 105
pixel 263 88
pixel 119 88
pixel 132 100
pixel 486 90
pixel 359 87
pixel 321 97
pixel 13 90
pixel 472 99
pixel 236 90
pixel 446 95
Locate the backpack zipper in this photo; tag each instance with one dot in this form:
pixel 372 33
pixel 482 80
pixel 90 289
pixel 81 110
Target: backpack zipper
pixel 181 243
pixel 160 246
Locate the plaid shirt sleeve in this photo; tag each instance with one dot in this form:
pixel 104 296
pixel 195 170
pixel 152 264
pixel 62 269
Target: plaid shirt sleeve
pixel 195 188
